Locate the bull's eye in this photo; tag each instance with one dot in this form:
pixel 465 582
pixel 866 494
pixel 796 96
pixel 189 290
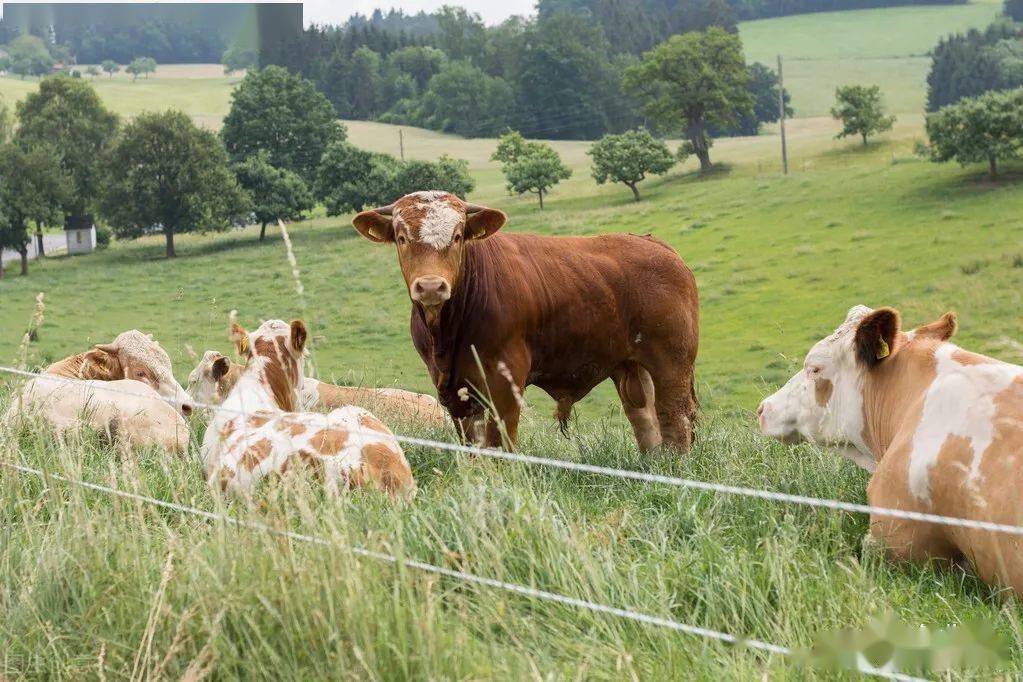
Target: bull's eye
pixel 401 240
pixel 457 238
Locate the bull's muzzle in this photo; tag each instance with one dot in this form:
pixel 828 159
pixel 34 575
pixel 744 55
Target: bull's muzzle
pixel 430 291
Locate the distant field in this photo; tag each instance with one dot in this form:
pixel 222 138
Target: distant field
pixel 200 90
pixel 887 47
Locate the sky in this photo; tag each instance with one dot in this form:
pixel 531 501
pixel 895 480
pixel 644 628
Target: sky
pixel 335 12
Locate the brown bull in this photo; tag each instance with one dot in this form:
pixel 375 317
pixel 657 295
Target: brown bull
pixel 561 313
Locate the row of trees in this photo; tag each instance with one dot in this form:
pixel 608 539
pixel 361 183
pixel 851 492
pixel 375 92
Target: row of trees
pixel 556 76
pixel 280 151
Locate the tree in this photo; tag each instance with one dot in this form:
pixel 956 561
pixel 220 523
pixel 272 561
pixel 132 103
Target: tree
pixel 629 157
pixel 276 193
pixel 861 111
pixel 350 179
pixel 32 189
pixel 110 67
pixel 165 174
pixel 1014 9
pixel 529 166
pixel 5 122
pixel 92 70
pixel 692 81
pixel 285 116
pixel 462 99
pixel 141 66
pixel 29 56
pixel 445 174
pixel 239 58
pixel 763 85
pixel 976 129
pixel 67 114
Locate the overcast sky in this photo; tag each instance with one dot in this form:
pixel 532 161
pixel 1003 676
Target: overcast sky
pixel 336 11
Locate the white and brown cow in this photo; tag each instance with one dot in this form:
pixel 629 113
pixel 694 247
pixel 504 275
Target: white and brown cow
pixel 259 431
pixel 319 395
pixel 940 427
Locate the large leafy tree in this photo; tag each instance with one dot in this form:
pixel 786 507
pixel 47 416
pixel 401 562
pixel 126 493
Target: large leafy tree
pixel 985 129
pixel 446 174
pixel 284 115
pixel 462 99
pixel 628 158
pixel 532 167
pixel 33 186
pixel 29 56
pixel 349 179
pixel 861 111
pixel 692 81
pixel 276 193
pixel 165 174
pixel 141 66
pixel 66 113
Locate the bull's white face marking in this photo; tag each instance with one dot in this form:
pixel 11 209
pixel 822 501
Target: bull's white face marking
pixel 436 219
pixel 960 402
pixel 795 411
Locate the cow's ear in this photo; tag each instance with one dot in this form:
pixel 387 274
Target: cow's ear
pixel 483 223
pixel 298 335
pixel 220 367
pixel 941 329
pixel 875 336
pixel 374 226
pixel 241 340
pixel 102 364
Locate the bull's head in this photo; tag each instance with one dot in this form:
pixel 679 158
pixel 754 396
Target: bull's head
pixel 430 230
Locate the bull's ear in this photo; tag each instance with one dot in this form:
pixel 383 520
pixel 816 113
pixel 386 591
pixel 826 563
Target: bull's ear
pixel 941 329
pixel 241 340
pixel 875 336
pixel 374 226
pixel 298 335
pixel 483 223
pixel 220 367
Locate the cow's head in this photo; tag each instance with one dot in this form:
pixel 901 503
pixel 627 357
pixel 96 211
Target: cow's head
pixel 213 378
pixel 277 351
pixel 430 230
pixel 134 355
pixel 824 401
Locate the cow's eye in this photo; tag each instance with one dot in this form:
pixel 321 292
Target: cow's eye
pixel 401 240
pixel 813 370
pixel 458 237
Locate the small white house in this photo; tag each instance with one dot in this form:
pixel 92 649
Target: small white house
pixel 81 234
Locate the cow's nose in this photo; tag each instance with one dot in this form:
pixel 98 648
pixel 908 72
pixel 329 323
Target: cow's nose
pixel 431 290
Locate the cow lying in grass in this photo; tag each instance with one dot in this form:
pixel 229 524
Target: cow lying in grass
pixel 258 430
pixel 319 395
pixel 941 428
pixel 121 388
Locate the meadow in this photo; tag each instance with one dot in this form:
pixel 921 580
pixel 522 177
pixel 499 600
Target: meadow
pixel 100 587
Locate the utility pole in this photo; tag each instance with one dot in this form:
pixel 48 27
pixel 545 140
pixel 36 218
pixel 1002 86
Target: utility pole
pixel 401 143
pixel 781 118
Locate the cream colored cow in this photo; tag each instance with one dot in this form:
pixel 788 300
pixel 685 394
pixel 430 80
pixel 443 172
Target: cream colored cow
pixel 320 395
pixel 940 427
pixel 259 431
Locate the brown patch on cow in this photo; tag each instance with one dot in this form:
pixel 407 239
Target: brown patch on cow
pixel 329 441
pixel 291 426
pixel 288 361
pixel 280 385
pixel 822 389
pixel 95 365
pixel 265 347
pixel 370 422
pixel 256 453
pixel 227 430
pixel 384 466
pixel 256 421
pixel 891 395
pixel 965 357
pixel 225 477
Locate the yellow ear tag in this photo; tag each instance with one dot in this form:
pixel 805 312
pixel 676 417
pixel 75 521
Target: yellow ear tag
pixel 882 349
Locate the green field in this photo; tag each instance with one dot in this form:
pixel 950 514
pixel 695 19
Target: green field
pixel 778 260
pixel 97 587
pixel 886 47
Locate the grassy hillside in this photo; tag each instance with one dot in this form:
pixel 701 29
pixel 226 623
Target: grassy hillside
pixel 95 585
pixel 887 47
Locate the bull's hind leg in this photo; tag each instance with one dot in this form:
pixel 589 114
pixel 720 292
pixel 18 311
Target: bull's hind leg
pixel 636 390
pixel 674 401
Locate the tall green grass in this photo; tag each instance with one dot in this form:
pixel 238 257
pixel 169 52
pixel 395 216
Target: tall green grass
pixel 93 586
